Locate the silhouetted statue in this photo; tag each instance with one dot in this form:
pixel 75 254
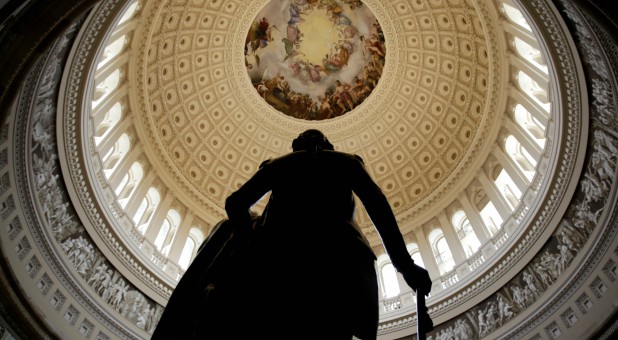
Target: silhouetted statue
pixel 301 270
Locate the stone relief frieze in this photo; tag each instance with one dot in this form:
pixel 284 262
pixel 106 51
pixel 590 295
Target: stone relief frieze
pixel 54 213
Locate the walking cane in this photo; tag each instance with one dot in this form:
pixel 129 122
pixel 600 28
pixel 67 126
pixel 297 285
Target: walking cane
pixel 423 321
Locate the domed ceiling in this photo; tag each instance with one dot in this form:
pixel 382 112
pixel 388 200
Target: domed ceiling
pixel 201 67
pixel 202 114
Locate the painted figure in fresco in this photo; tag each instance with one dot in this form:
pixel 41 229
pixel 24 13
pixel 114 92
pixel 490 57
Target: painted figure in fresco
pixel 359 90
pixel 325 108
pixel 259 35
pixel 337 59
pixel 342 95
pixel 291 49
pixel 293 34
pixel 295 12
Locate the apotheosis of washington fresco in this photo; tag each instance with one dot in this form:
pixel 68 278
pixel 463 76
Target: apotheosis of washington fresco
pixel 315 59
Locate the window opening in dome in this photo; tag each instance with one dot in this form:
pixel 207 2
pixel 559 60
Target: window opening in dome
pixel 104 88
pixel 466 234
pixel 129 12
pixel 515 16
pixel 508 189
pixel 187 253
pixel 532 126
pixel 520 156
pixel 167 231
pixel 390 282
pixel 116 154
pixel 491 217
pixel 146 209
pixel 416 256
pixel 123 182
pixel 441 250
pixel 197 235
pixel 189 250
pixel 125 191
pixel 110 120
pixel 163 231
pixel 535 91
pixel 531 54
pixel 112 50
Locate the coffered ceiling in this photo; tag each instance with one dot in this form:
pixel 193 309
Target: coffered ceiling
pixel 422 132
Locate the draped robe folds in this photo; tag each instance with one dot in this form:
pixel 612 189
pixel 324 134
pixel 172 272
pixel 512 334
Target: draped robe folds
pixel 192 300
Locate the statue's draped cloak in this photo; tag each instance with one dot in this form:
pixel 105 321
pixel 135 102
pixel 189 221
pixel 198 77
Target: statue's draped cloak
pixel 250 283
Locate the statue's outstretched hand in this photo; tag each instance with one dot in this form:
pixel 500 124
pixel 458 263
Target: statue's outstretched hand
pixel 417 278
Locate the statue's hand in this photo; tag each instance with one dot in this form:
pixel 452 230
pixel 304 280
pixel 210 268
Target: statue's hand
pixel 417 278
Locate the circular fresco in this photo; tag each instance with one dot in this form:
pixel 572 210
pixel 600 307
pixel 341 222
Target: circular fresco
pixel 315 59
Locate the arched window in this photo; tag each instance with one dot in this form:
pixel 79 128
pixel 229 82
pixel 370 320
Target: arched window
pixel 530 125
pixel 390 283
pixel 198 236
pixel 508 189
pixel 515 16
pixel 130 12
pixel 195 238
pixel 418 259
pixel 520 156
pixel 163 231
pixel 491 217
pixel 465 233
pixel 530 53
pixel 441 251
pixel 129 184
pixel 105 87
pixel 112 50
pixel 187 253
pixel 111 119
pixel 167 231
pixel 116 154
pixel 414 252
pixel 146 209
pixel 531 88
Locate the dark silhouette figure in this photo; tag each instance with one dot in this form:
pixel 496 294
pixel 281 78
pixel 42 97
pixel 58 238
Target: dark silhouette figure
pixel 301 270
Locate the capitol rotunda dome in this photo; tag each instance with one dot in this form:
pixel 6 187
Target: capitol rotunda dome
pixel 472 116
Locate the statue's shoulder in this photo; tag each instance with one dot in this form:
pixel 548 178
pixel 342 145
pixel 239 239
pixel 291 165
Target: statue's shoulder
pixel 349 156
pixel 264 163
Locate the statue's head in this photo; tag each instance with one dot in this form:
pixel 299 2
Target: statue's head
pixel 311 140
